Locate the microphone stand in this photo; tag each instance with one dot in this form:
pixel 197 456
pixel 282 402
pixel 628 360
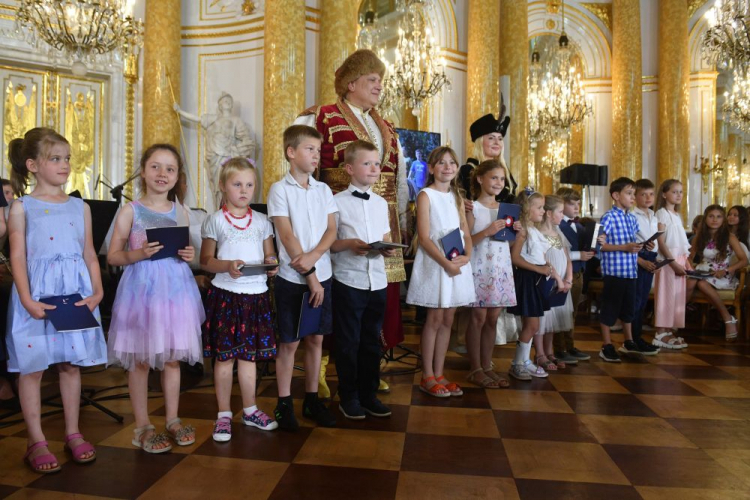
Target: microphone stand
pixel 116 191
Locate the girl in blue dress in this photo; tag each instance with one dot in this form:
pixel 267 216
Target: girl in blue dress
pixel 52 253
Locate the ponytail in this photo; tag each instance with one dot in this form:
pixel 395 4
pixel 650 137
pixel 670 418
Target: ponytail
pixel 35 145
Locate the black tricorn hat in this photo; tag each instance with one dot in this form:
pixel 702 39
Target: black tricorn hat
pixel 487 125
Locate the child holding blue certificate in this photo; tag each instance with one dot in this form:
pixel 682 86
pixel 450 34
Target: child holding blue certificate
pixel 492 270
pixel 438 282
pixel 52 254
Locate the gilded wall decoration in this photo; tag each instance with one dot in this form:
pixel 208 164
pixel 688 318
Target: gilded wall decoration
pixel 603 11
pixel 19 114
pixel 80 121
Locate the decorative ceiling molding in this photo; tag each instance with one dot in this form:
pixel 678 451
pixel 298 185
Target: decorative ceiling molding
pixel 603 11
pixel 694 5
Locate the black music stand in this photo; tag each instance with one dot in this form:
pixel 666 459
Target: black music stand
pixel 587 175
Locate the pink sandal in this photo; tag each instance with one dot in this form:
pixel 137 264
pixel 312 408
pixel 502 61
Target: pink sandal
pixel 79 451
pixel 37 462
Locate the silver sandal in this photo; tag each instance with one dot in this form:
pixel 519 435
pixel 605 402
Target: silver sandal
pixel 186 431
pixel 148 443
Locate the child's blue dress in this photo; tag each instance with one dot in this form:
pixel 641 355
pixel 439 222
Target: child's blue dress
pixel 55 238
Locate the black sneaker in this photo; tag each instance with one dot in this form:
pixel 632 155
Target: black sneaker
pixel 375 408
pixel 566 358
pixel 609 354
pixel 284 415
pixel 579 355
pixel 630 350
pixel 646 349
pixel 320 413
pixel 352 410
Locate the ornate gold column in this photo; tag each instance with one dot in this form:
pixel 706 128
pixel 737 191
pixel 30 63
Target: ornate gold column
pixel 719 161
pixel 575 145
pixel 627 128
pixel 131 78
pixel 161 57
pixel 674 81
pixel 514 61
pixel 284 75
pixel 734 168
pixel 482 62
pixel 338 39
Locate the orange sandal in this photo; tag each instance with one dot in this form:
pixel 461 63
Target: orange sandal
pixel 438 390
pixel 453 388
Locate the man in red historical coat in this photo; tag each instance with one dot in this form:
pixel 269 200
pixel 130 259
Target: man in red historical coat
pixel 353 116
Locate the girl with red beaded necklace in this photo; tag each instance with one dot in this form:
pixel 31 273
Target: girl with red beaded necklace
pixel 238 309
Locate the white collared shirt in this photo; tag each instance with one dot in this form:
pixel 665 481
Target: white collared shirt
pixel 366 220
pixel 376 138
pixel 574 254
pixel 307 210
pixel 648 224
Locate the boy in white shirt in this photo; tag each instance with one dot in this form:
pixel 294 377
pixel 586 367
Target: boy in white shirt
pixel 359 283
pixel 648 225
pixel 302 210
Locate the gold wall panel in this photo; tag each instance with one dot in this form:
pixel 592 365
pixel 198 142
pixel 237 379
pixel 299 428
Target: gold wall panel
pixel 627 112
pixel 338 39
pixel 514 61
pixel 674 81
pixel 161 66
pixel 23 105
pixel 81 102
pixel 284 81
pixel 483 62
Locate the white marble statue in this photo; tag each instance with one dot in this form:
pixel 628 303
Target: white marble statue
pixel 227 137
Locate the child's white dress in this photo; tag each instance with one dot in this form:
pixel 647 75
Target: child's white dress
pixel 430 286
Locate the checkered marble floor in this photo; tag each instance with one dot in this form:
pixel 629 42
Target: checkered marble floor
pixel 675 426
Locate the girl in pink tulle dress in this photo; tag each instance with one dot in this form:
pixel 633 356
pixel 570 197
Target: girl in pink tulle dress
pixel 157 314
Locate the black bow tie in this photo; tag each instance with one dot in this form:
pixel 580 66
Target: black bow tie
pixel 361 195
pixel 572 221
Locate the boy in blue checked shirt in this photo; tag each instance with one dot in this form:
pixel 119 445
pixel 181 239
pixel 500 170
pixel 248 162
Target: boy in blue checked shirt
pixel 619 261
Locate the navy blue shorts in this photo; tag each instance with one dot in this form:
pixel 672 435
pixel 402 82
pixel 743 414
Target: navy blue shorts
pixel 288 298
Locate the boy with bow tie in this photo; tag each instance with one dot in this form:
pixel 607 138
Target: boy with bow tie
pixel 359 283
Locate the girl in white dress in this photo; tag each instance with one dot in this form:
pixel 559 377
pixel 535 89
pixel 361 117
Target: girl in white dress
pixel 720 253
pixel 557 319
pixel 437 283
pixel 492 270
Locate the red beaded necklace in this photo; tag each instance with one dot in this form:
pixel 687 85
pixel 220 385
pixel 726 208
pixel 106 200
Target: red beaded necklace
pixel 228 214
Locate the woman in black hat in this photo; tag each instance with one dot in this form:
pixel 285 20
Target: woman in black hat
pixel 487 134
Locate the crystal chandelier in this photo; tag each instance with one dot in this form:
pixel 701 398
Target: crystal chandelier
pixel 83 31
pixel 539 128
pixel 418 71
pixel 557 100
pixel 736 106
pixel 726 43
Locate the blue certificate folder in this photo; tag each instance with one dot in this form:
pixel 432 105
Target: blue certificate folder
pixel 453 244
pixel 172 237
pixel 552 297
pixel 309 317
pixel 67 317
pixel 510 213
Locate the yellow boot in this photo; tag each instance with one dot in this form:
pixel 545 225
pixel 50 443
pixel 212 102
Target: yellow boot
pixel 384 387
pixel 323 391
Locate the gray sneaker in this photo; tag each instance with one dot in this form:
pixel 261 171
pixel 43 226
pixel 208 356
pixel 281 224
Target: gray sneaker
pixel 579 355
pixel 566 358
